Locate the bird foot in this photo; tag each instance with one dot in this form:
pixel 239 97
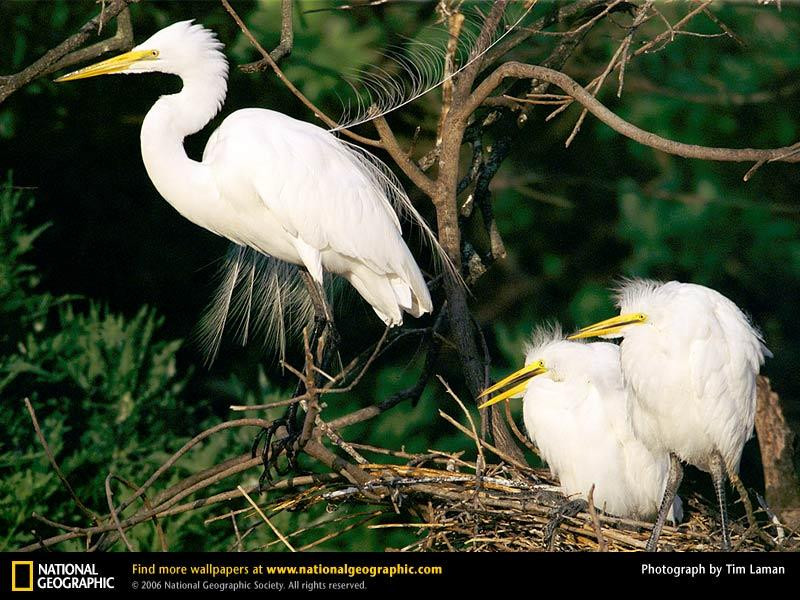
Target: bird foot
pixel 570 508
pixel 272 448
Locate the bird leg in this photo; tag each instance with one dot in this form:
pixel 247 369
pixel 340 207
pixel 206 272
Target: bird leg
pixel 674 479
pixel 717 466
pixel 570 508
pixel 322 343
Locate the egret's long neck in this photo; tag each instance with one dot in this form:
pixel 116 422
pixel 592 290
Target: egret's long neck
pixel 183 182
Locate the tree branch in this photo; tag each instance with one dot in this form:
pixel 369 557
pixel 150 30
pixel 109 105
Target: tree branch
pixel 517 70
pixel 57 57
pixel 268 60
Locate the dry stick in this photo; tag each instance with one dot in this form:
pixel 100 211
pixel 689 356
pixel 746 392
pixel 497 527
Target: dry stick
pixel 313 423
pixel 669 33
pixel 292 482
pixel 276 404
pixel 175 510
pixel 475 436
pixel 56 524
pixel 251 422
pixel 55 466
pixel 339 532
pixel 191 485
pixel 509 459
pixel 311 405
pixel 148 506
pixel 289 85
pixel 239 545
pixel 11 83
pixel 520 436
pixel 514 40
pixel 470 72
pixel 402 158
pixel 114 516
pixel 641 17
pixel 362 372
pixel 284 47
pixel 266 520
pixel 122 40
pixel 602 546
pixel 571 87
pixel 244 461
pixel 752 524
pixel 615 61
pixel 319 524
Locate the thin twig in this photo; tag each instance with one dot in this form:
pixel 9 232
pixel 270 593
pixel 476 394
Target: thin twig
pixel 602 546
pixel 289 85
pixel 266 520
pixel 114 516
pixel 55 466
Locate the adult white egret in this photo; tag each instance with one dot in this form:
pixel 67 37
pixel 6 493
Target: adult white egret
pixel 274 186
pixel 576 410
pixel 690 359
pixel 271 184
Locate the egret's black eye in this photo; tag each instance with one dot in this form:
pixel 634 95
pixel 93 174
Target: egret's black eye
pixel 154 53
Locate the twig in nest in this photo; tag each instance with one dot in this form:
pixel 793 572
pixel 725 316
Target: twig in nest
pixel 602 546
pixel 509 459
pixel 275 530
pixel 481 457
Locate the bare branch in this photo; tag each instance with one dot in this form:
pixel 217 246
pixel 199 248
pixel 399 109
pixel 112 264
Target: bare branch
pixel 289 85
pixel 56 58
pixel 789 154
pixel 55 466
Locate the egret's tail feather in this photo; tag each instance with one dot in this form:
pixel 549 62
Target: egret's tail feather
pixel 387 185
pixel 258 296
pixel 417 68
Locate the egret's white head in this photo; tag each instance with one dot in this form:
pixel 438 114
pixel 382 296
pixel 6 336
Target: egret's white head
pixel 182 49
pixel 552 357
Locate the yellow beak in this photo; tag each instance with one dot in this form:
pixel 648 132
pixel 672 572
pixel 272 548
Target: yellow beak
pixel 520 379
pixel 609 326
pixel 116 64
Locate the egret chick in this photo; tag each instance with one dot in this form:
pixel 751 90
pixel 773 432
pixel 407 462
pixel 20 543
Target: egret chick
pixel 575 409
pixel 690 359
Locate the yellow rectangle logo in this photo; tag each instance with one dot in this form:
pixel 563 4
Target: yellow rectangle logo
pixel 19 573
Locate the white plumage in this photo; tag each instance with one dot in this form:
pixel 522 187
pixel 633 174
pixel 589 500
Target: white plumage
pixel 691 367
pixel 690 359
pixel 271 183
pixel 575 409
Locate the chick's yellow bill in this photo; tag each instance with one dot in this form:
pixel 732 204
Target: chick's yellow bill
pixel 517 380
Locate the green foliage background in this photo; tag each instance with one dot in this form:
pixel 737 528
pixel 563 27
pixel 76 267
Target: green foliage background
pixel 100 281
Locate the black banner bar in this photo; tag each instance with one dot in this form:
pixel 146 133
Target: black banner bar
pixel 360 573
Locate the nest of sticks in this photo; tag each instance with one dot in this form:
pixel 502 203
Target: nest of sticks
pixel 455 504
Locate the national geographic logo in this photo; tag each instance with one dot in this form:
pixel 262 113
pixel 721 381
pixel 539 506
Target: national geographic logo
pixel 27 576
pixel 22 576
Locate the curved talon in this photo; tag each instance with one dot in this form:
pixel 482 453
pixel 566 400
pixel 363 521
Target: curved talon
pixel 272 448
